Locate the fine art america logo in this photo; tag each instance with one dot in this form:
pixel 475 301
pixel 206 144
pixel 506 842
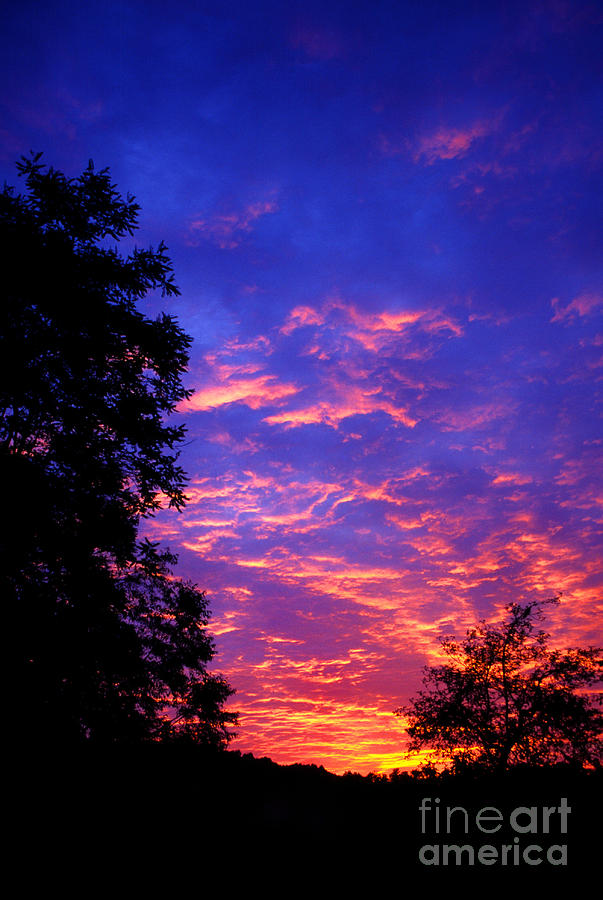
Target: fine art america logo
pixel 521 848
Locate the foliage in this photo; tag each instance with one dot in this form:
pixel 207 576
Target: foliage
pixel 506 699
pixel 112 646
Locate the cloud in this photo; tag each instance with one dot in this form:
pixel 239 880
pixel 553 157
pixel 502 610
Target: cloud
pixel 337 590
pixel 512 478
pixel 227 229
pixel 583 305
pixel 313 547
pixel 446 142
pixel 265 390
pixel 226 440
pixel 451 143
pixel 373 330
pixel 301 316
pixel 346 377
pixel 477 416
pixel 354 401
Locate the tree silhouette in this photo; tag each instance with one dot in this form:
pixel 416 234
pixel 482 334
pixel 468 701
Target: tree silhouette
pixel 504 699
pixel 112 647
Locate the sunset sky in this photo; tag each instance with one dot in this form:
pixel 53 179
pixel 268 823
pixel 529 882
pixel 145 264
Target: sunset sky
pixel 384 219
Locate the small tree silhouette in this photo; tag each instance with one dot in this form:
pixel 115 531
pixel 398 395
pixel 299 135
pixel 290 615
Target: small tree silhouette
pixel 506 699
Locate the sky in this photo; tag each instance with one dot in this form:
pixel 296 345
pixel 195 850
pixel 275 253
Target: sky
pixel 384 220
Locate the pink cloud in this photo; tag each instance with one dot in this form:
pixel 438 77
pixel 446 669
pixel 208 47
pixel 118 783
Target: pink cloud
pixel 400 588
pixel 371 330
pixel 384 555
pixel 301 316
pixel 512 478
pixel 477 416
pixel 349 401
pixel 260 343
pixel 227 229
pixel 253 392
pixel 582 305
pixel 224 439
pixel 451 143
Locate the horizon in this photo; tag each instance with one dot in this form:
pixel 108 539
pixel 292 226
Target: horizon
pixel 384 224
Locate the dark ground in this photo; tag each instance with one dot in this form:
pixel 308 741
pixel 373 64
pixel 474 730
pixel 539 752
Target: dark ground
pixel 177 817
